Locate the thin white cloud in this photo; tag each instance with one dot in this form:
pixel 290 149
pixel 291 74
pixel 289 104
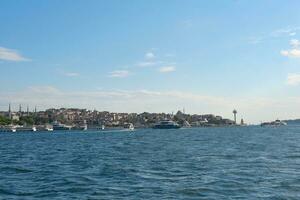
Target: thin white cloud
pixel 11 55
pixel 294 52
pixel 293 79
pixel 167 69
pixel 149 55
pixel 289 31
pixel 255 40
pixel 147 63
pixel 119 74
pixel 71 74
pixel 295 43
pixel 284 32
pixel 43 89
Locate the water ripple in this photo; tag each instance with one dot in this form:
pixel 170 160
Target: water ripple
pixel 205 163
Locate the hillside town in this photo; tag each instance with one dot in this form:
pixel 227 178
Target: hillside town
pixel 75 117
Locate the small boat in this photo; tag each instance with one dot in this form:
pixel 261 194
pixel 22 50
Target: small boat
pixel 129 126
pixel 166 124
pixel 49 129
pixel 80 128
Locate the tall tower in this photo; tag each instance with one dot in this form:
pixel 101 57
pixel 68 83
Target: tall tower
pixel 234 115
pixel 20 108
pixel 27 110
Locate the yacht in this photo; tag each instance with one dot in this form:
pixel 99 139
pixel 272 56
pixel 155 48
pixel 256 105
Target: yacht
pixel 129 126
pixel 166 124
pixel 49 129
pixel 60 127
pixel 274 123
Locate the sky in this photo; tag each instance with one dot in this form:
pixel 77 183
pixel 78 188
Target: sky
pixel 154 56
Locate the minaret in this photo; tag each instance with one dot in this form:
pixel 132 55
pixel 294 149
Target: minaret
pixel 20 108
pixel 27 110
pixel 234 114
pixel 9 111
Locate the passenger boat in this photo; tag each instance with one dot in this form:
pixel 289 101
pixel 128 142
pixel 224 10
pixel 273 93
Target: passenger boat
pixel 60 127
pixel 166 124
pixel 274 123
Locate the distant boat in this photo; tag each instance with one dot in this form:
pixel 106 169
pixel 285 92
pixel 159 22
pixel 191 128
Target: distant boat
pixel 274 123
pixel 49 129
pixel 8 129
pixel 60 127
pixel 25 128
pixel 129 126
pixel 80 128
pixel 166 124
pixel 102 127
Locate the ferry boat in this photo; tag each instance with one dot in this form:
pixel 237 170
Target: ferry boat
pixel 60 127
pixel 274 123
pixel 25 128
pixel 166 124
pixel 11 129
pixel 17 128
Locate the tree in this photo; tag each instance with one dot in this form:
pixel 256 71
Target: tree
pixel 4 120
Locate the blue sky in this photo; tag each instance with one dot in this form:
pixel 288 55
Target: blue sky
pixel 156 56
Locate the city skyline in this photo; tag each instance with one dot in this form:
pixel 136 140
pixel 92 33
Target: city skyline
pixel 153 56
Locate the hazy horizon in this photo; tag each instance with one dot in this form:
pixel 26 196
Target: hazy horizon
pixel 208 57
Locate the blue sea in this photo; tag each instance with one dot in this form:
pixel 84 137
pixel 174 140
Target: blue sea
pixel 202 163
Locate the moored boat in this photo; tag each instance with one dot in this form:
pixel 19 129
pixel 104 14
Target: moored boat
pixel 274 123
pixel 60 127
pixel 129 126
pixel 166 124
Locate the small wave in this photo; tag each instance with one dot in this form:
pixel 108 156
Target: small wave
pixel 16 169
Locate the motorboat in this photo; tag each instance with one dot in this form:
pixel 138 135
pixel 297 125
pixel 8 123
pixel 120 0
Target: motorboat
pixel 129 126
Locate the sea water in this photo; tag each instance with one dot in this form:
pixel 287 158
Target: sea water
pixel 197 163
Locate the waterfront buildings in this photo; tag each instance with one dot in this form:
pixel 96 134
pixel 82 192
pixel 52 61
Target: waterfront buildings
pixel 93 118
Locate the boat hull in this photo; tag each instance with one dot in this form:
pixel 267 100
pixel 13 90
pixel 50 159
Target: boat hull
pixel 166 127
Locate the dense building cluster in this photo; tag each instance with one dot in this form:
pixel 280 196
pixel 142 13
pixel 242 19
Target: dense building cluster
pixel 75 116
